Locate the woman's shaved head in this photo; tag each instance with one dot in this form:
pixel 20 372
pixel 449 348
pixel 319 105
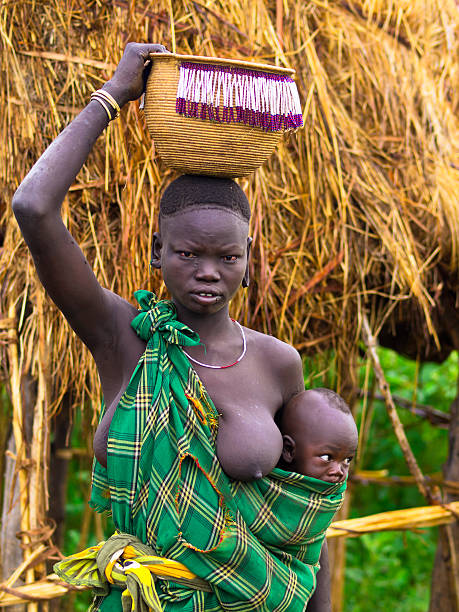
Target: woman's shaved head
pixel 191 190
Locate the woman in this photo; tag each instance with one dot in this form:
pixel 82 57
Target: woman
pixel 202 273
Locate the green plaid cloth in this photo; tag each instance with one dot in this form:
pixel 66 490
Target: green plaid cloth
pixel 130 565
pixel 256 543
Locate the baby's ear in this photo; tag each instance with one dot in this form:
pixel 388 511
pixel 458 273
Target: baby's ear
pixel 288 449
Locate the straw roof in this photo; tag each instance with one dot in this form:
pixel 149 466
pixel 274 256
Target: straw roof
pixel 358 211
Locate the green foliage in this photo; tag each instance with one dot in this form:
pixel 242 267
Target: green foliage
pixel 5 423
pixel 385 570
pixel 388 569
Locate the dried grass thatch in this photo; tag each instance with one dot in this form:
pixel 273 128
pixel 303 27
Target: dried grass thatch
pixel 358 211
pixel 356 215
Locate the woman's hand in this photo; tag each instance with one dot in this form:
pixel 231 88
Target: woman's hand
pixel 130 77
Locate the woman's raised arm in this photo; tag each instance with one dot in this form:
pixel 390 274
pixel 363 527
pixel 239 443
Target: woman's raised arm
pixel 61 265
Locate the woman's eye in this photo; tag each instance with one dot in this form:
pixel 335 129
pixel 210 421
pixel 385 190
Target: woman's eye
pixel 325 457
pixel 186 254
pixel 230 258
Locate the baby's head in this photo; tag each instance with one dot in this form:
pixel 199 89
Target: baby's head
pixel 319 435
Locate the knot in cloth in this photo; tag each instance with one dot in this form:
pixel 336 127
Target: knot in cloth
pixel 161 316
pixel 124 561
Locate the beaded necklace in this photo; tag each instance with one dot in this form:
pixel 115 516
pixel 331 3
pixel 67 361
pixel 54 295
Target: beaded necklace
pixel 223 367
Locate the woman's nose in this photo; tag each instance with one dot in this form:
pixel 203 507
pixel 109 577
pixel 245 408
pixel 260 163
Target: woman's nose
pixel 207 271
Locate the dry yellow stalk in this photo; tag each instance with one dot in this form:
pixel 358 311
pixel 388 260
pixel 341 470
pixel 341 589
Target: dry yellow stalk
pixel 409 518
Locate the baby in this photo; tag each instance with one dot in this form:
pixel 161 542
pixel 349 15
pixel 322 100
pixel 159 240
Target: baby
pixel 319 435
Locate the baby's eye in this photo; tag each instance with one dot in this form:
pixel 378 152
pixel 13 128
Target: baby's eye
pixel 186 254
pixel 325 457
pixel 348 460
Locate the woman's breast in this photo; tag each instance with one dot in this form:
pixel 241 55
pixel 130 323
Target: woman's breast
pixel 249 443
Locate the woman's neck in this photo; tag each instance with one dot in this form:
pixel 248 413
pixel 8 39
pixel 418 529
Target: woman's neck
pixel 209 327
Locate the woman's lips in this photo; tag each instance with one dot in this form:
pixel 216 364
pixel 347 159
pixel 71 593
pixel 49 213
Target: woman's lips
pixel 206 297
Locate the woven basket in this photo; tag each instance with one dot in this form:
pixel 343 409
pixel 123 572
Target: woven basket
pixel 193 145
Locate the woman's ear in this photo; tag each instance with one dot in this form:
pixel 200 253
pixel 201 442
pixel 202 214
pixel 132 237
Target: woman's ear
pixel 246 277
pixel 156 246
pixel 288 449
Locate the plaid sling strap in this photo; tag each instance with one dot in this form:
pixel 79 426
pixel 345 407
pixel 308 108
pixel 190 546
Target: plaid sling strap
pixel 256 543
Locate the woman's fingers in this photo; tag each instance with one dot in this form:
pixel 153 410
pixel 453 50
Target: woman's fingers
pixel 145 49
pixel 128 81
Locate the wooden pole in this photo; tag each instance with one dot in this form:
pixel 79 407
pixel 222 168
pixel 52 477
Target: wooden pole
pixel 370 343
pixel 11 555
pixel 19 439
pixel 444 594
pixel 30 433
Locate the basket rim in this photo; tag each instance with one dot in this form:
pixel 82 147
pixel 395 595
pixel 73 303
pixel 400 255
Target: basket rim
pixel 201 59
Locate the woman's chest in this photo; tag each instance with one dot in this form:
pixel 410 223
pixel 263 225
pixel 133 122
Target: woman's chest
pixel 249 443
pixel 246 398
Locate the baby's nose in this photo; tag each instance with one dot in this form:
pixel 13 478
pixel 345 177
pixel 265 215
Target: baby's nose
pixel 337 470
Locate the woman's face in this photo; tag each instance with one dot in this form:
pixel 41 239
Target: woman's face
pixel 203 257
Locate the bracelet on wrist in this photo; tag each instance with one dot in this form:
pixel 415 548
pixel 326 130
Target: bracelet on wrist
pixel 109 103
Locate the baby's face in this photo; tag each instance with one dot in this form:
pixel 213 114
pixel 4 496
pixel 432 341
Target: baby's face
pixel 326 459
pixel 324 440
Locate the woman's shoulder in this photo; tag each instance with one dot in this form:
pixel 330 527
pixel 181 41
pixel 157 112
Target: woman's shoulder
pixel 271 344
pixel 282 358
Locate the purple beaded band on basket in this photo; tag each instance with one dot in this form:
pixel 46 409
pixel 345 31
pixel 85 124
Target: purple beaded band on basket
pixel 236 70
pixel 260 99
